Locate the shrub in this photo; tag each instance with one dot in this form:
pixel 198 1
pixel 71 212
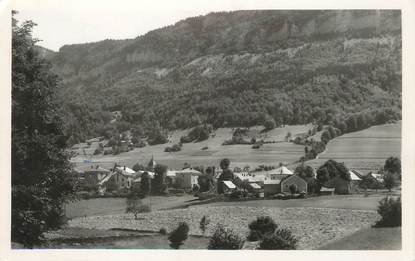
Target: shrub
pixel 163 231
pixel 225 239
pixel 135 207
pixel 281 239
pixel 205 148
pixel 389 181
pixel 179 235
pixel 292 189
pixel 260 227
pixel 391 212
pixel 204 222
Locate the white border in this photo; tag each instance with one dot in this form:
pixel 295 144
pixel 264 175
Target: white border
pixel 408 145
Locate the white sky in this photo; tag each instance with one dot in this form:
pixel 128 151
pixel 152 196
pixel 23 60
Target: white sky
pixel 63 22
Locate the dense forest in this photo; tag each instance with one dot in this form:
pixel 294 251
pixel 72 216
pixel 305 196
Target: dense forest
pixel 239 68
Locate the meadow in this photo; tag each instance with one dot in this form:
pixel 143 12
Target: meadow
pixel 192 153
pixel 364 150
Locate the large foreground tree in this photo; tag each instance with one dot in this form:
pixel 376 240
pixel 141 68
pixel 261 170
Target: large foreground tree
pixel 41 169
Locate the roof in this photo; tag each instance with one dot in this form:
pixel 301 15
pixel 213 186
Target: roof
pixel 354 175
pixel 125 170
pixel 105 179
pixel 229 184
pixel 245 176
pixel 272 181
pixel 150 173
pixel 171 173
pixel 254 185
pixel 97 169
pixel 282 170
pixel 189 171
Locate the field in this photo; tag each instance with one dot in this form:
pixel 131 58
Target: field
pixel 107 206
pixel 364 150
pixel 192 153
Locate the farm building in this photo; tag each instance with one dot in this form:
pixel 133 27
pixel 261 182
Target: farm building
pixel 283 185
pixel 186 178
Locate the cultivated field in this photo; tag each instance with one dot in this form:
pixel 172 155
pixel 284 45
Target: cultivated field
pixel 314 227
pixel 192 153
pixel 364 150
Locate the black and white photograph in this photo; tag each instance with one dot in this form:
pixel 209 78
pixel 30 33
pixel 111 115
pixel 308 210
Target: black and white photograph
pixel 224 128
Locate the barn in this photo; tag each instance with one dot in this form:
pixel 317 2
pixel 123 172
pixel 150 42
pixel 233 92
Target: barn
pixel 283 185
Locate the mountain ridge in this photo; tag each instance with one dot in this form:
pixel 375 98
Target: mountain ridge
pixel 236 68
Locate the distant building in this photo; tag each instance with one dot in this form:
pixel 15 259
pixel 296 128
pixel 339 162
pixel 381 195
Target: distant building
pixel 94 175
pixel 283 184
pixel 186 178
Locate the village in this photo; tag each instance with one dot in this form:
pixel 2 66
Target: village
pixel 279 182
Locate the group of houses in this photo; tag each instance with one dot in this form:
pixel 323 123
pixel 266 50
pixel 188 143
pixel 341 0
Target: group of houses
pixel 118 178
pixel 264 183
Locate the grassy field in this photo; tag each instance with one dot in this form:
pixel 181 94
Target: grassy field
pixel 369 239
pixel 192 153
pixel 364 150
pixel 108 206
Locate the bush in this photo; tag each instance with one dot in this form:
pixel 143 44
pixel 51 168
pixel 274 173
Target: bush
pixel 179 235
pixel 163 231
pixel 225 239
pixel 391 212
pixel 281 239
pixel 389 181
pixel 135 207
pixel 260 227
pixel 204 222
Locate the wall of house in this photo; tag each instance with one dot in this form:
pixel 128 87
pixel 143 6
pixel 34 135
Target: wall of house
pixel 271 189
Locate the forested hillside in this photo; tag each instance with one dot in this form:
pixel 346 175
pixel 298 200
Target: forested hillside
pixel 238 68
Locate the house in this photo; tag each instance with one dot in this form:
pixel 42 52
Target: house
pixel 93 175
pixel 228 187
pixel 251 182
pixel 122 178
pixel 186 178
pixel 283 184
pixel 275 174
pixel 355 179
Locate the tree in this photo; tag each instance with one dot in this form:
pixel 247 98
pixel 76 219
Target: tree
pixel 260 227
pixel 282 239
pixel 138 167
pixel 393 165
pixel 225 239
pixel 270 124
pixel 145 184
pixel 179 235
pixel 390 210
pixel 135 206
pixel 41 181
pixel 204 222
pixel 389 181
pixel 158 185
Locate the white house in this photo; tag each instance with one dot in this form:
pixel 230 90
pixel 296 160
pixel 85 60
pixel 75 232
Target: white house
pixel 186 178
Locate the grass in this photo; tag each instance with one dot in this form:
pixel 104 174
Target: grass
pixel 369 239
pixel 240 155
pixel 364 150
pixel 108 206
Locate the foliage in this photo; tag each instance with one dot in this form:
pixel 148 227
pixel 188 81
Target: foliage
pixel 40 168
pixel 138 167
pixel 389 181
pixel 390 210
pixel 135 206
pixel 332 169
pixel 179 235
pixel 393 165
pixel 261 226
pixel 204 222
pixel 145 184
pixel 225 239
pixel 174 148
pixel 282 239
pixel 292 189
pixel 198 133
pixel 158 184
pixel 163 231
